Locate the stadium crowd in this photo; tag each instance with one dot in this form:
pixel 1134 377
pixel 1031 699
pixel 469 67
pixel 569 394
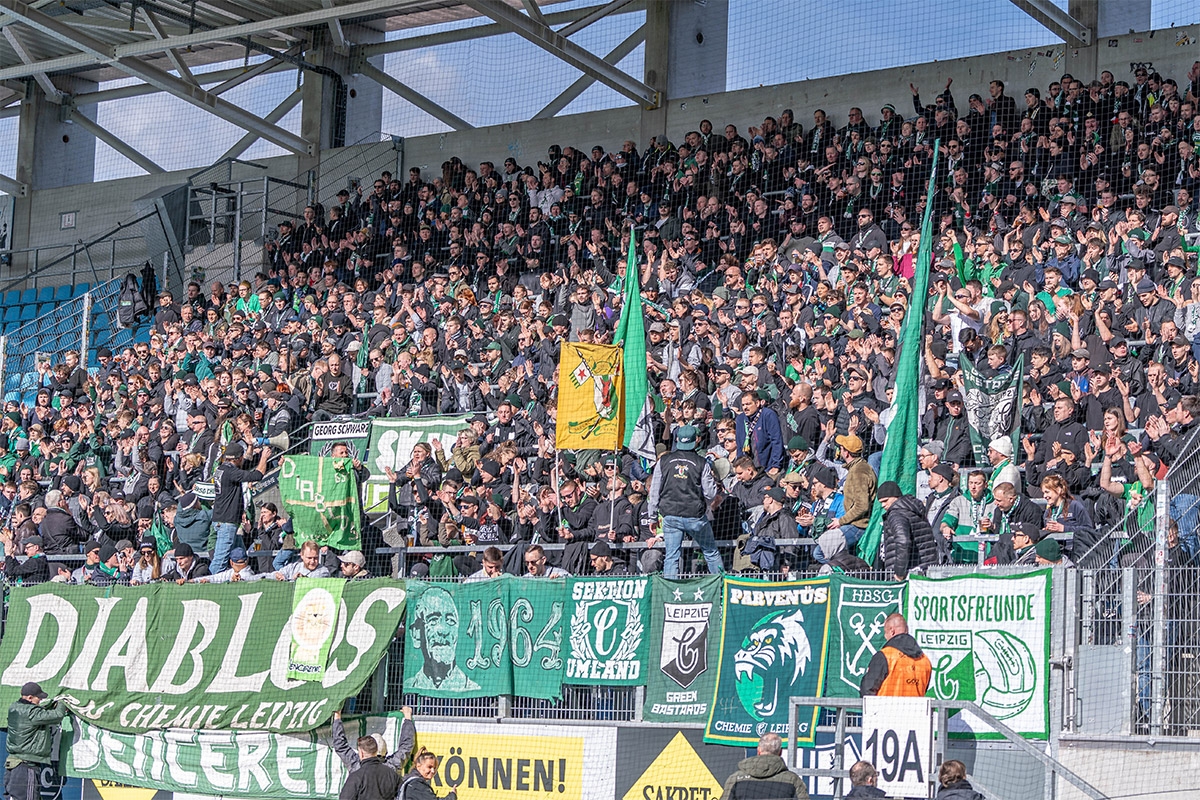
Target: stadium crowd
pixel 776 268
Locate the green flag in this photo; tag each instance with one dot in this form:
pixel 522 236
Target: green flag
pixel 320 496
pixel 685 645
pixel 631 335
pixel 160 534
pixel 858 610
pixel 904 434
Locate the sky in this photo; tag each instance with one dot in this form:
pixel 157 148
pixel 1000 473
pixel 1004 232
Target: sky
pixel 504 78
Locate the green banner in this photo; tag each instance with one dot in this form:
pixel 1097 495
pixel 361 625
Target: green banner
pixel 607 644
pixel 685 622
pixel 773 637
pixel 320 495
pixel 858 610
pixel 485 638
pixel 256 764
pixel 392 441
pixel 988 638
pixel 194 656
pixel 315 605
pixel 993 406
pixel 536 619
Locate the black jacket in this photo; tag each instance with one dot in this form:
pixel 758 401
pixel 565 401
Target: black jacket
pixel 959 790
pixel 414 787
pixel 61 534
pixel 860 792
pixel 373 780
pixel 35 569
pixel 908 540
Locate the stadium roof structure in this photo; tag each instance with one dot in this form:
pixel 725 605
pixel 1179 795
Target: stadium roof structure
pixel 160 42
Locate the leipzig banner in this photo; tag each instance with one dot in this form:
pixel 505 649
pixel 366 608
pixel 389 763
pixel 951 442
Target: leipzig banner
pixel 773 637
pixel 197 656
pixel 685 645
pixel 299 766
pixel 988 638
pixel 858 610
pixel 993 406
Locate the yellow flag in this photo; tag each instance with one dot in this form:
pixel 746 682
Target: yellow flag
pixel 589 397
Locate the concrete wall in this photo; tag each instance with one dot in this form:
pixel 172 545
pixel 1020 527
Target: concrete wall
pixel 527 141
pixel 101 206
pixel 1128 767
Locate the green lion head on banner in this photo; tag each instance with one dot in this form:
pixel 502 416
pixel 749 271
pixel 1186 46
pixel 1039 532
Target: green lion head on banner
pixel 773 657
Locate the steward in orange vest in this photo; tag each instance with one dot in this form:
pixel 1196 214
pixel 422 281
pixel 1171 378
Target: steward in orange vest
pixel 899 669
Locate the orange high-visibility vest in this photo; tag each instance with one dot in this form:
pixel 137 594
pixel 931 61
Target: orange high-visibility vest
pixel 907 676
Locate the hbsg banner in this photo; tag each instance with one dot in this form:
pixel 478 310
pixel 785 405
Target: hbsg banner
pixel 685 645
pixel 196 656
pixel 773 638
pixel 858 611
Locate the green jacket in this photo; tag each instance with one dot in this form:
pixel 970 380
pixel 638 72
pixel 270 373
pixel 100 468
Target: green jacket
pixel 31 730
pixel 765 777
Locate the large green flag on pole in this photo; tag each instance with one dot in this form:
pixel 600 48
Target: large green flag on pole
pixel 631 335
pixel 320 495
pixel 904 434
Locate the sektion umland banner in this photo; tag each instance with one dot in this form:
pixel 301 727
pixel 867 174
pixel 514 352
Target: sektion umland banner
pixel 485 638
pixel 988 638
pixel 608 641
pixel 392 442
pixel 299 766
pixel 858 610
pixel 685 645
pixel 773 639
pixel 195 656
pixel 993 406
pixel 589 397
pixel 320 496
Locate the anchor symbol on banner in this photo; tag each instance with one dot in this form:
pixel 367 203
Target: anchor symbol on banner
pixel 859 626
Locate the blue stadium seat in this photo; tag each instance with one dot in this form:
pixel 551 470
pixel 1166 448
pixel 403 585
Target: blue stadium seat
pixel 142 335
pixel 12 313
pixel 28 296
pixel 9 327
pixel 46 295
pixel 29 398
pixel 12 383
pixel 100 322
pixel 45 308
pixel 28 313
pixel 12 397
pixel 29 381
pixel 62 294
pixel 12 298
pixel 80 289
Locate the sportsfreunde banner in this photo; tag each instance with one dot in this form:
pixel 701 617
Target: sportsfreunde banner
pixel 685 645
pixel 988 638
pixel 856 629
pixel 230 763
pixel 392 442
pixel 993 406
pixel 589 397
pixel 608 639
pixel 772 648
pixel 320 496
pixel 485 638
pixel 196 656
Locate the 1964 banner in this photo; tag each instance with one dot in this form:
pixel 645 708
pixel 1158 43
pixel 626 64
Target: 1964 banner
pixel 202 657
pixel 237 763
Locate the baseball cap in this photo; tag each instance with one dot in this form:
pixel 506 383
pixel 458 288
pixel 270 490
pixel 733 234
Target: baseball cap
pixel 32 689
pixel 777 494
pixel 851 442
pixel 237 554
pixel 685 438
pixel 353 557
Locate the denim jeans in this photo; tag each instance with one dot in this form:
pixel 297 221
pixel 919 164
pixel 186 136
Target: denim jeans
pixel 221 538
pixel 1185 510
pixel 699 530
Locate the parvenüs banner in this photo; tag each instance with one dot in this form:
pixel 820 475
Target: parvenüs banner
pixel 521 762
pixel 685 645
pixel 988 639
pixel 485 638
pixel 773 638
pixel 218 763
pixel 142 658
pixel 392 441
pixel 858 610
